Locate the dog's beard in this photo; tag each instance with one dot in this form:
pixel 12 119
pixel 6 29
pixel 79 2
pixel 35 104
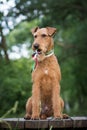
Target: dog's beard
pixel 41 57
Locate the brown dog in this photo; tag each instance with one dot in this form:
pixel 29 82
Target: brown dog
pixel 45 100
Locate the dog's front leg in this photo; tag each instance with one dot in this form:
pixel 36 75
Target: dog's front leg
pixel 35 101
pixel 56 100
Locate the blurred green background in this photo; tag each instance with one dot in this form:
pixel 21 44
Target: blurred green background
pixel 17 18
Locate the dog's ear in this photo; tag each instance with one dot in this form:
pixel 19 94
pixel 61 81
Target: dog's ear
pixel 51 30
pixel 34 30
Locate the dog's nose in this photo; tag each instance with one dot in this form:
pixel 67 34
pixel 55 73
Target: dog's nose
pixel 36 45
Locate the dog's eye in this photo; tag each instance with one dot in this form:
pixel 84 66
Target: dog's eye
pixel 43 35
pixel 35 36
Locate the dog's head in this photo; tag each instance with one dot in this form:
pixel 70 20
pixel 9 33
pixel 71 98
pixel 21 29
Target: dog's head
pixel 43 41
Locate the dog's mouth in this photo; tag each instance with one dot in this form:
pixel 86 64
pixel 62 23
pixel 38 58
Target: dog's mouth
pixel 37 52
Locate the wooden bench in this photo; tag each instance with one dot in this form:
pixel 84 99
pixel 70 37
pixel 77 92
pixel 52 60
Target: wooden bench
pixel 20 123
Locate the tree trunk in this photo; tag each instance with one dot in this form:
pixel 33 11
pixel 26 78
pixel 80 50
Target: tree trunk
pixel 3 45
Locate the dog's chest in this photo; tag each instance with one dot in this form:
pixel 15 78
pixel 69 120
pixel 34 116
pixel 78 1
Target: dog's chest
pixel 46 81
pixel 46 84
pixel 46 71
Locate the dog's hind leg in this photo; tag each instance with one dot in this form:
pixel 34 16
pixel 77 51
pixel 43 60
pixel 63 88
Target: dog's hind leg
pixel 28 109
pixel 64 116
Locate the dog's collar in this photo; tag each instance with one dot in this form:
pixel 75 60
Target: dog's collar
pixel 49 53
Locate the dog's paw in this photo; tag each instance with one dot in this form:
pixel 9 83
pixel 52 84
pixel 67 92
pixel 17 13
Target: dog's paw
pixel 35 117
pixel 65 116
pixel 58 116
pixel 43 116
pixel 27 116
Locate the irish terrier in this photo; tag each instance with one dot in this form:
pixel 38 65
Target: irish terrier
pixel 46 76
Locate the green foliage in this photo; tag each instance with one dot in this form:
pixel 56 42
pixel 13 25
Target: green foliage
pixel 15 84
pixel 12 110
pixel 72 55
pixel 21 34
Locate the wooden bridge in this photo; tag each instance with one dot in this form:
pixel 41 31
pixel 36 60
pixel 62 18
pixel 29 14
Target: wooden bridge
pixel 22 124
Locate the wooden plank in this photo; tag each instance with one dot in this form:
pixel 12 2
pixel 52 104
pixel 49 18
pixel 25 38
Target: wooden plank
pixel 36 124
pixel 60 123
pixel 79 122
pixel 12 123
pixel 73 122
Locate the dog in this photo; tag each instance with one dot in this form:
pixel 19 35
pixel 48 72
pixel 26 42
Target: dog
pixel 45 100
